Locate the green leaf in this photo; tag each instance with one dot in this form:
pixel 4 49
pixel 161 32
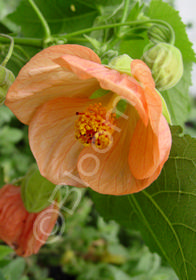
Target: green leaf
pixel 15 269
pixel 98 93
pixel 164 212
pixel 177 98
pixel 7 6
pixel 10 135
pixel 25 278
pixel 136 9
pixel 36 191
pixel 5 115
pixel 20 56
pixel 1 177
pixel 118 273
pixel 161 10
pixel 2 276
pixel 121 107
pixel 60 15
pixel 4 251
pixel 134 48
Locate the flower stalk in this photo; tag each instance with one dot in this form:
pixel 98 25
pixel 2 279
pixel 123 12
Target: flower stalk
pixel 10 51
pixel 42 20
pixel 40 43
pixel 124 16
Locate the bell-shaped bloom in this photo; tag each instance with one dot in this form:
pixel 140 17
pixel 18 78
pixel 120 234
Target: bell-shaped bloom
pixel 79 141
pixel 24 232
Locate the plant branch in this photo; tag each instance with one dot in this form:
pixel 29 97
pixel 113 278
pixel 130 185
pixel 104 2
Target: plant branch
pixel 31 42
pixel 42 19
pixel 129 23
pixel 125 13
pixel 39 43
pixel 10 51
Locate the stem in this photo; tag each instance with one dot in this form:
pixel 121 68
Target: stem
pixel 39 43
pixel 42 19
pixel 100 27
pixel 32 42
pixel 10 51
pixel 130 23
pixel 125 13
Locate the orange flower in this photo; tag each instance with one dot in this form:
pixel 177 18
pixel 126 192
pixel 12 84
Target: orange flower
pixel 24 232
pixel 79 141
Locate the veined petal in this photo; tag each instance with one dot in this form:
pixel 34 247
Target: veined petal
pixel 17 226
pixel 144 151
pixel 142 73
pixel 165 142
pixel 125 86
pixel 52 139
pixel 10 224
pixel 41 80
pixel 148 151
pixel 154 105
pixel 108 171
pixel 37 229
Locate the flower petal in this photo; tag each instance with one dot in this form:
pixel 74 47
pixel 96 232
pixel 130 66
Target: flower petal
pixel 144 151
pixel 154 105
pixel 124 85
pixel 52 139
pixel 41 80
pixel 108 172
pixel 142 73
pixel 147 150
pixel 165 142
pixel 12 214
pixel 37 229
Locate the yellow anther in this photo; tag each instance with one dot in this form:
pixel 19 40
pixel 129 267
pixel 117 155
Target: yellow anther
pixel 95 126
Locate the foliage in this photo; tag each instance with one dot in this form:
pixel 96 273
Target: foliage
pixel 88 249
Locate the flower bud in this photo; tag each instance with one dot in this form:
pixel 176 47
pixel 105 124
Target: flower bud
pixel 17 226
pixel 6 79
pixel 121 63
pixel 165 62
pixel 158 34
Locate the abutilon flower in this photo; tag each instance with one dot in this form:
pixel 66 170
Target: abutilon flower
pixel 25 232
pixel 79 141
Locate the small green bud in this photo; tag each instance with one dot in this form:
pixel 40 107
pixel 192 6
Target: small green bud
pixel 36 191
pixel 6 79
pixel 158 34
pixel 165 62
pixel 121 63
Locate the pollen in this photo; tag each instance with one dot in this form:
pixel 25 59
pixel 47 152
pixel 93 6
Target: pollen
pixel 95 126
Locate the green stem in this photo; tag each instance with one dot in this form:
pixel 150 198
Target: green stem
pixel 125 13
pixel 31 42
pixel 10 51
pixel 42 19
pixel 39 43
pixel 130 23
pixel 100 27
